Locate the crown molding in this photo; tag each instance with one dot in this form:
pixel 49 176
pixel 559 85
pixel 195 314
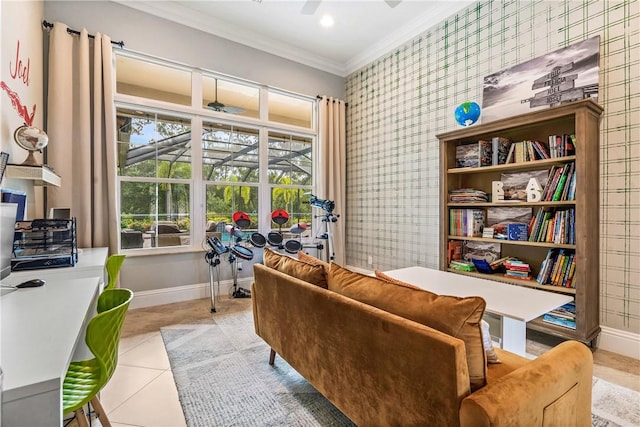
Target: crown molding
pixel 236 34
pixel 408 32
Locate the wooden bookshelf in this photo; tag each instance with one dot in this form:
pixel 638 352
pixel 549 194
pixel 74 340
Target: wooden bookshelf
pixel 580 118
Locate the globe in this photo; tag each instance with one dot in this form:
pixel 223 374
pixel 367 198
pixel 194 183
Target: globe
pixel 467 113
pixel 31 139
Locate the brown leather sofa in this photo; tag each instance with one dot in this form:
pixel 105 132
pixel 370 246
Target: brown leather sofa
pixel 383 369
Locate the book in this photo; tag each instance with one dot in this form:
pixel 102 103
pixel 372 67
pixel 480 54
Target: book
pixel 567 323
pixel 515 183
pixel 482 266
pixel 557 192
pixel 511 154
pixel 487 251
pixel 569 148
pixel 454 250
pixel 517 231
pixel 570 177
pixel 485 153
pixel 499 218
pixel 467 156
pixel 501 147
pixel 466 222
pixel 517 269
pixel 462 265
pixel 542 149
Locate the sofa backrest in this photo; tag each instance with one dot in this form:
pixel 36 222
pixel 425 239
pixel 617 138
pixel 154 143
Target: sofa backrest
pixel 376 367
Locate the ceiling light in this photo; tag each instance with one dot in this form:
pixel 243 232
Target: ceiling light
pixel 327 21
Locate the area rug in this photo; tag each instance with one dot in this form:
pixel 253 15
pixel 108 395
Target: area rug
pixel 223 379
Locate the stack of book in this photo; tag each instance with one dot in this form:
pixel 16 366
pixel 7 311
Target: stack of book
pixel 468 195
pixel 517 269
pixel 461 265
pixel 563 316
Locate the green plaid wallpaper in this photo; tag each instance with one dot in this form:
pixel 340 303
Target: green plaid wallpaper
pixel 398 103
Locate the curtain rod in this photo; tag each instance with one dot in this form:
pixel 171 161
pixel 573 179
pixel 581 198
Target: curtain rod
pixel 49 25
pixel 333 100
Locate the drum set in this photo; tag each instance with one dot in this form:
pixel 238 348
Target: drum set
pixel 236 251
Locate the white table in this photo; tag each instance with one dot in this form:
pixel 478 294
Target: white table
pixel 39 333
pixel 513 305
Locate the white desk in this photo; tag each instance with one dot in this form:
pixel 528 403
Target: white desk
pixel 40 330
pixel 513 305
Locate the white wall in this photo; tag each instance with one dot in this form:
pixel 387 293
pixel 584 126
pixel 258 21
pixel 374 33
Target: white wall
pixel 21 73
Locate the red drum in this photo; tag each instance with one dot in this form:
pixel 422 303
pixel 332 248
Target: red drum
pixel 241 219
pixel 292 246
pixel 274 238
pixel 242 252
pixel 299 228
pixel 280 216
pixel 257 240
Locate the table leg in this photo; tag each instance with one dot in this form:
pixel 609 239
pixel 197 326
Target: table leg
pixel 514 336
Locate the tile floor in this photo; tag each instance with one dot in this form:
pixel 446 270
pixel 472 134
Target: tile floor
pixel 142 391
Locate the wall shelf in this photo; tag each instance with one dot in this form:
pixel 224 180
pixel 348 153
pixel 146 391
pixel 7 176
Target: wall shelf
pixel 40 175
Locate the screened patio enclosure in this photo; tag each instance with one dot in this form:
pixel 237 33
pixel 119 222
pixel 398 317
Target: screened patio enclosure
pixel 156 174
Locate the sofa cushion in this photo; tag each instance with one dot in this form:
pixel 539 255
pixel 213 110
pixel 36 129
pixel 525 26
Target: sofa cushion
pixel 302 256
pixel 490 352
pixel 379 274
pixel 492 356
pixel 455 316
pixel 314 274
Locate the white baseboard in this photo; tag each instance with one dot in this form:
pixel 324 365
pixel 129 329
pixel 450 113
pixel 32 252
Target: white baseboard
pixel 621 342
pixel 614 340
pixel 183 293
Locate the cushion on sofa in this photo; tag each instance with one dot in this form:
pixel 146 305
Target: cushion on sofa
pixel 490 352
pixel 314 274
pixel 309 259
pixel 492 356
pixel 455 316
pixel 380 275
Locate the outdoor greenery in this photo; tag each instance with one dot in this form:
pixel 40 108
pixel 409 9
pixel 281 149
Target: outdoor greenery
pixel 230 164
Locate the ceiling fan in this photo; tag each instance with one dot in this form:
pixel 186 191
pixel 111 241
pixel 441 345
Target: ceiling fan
pixel 310 6
pixel 219 106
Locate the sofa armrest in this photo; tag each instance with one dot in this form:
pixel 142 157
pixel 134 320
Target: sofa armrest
pixel 552 390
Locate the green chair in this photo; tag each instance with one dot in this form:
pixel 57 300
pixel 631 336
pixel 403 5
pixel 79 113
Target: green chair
pixel 114 262
pixel 85 378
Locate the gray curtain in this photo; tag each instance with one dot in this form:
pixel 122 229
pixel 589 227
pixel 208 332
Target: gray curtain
pixel 81 123
pixel 331 174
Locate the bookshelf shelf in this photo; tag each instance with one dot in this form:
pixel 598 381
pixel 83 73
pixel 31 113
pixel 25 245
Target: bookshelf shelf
pixel 581 120
pixel 511 204
pixel 527 283
pixel 514 242
pixel 512 167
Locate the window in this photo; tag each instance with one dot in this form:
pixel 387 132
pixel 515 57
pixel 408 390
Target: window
pixel 185 168
pixel 145 79
pixel 290 177
pixel 228 97
pixel 230 166
pixel 154 165
pixel 290 109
